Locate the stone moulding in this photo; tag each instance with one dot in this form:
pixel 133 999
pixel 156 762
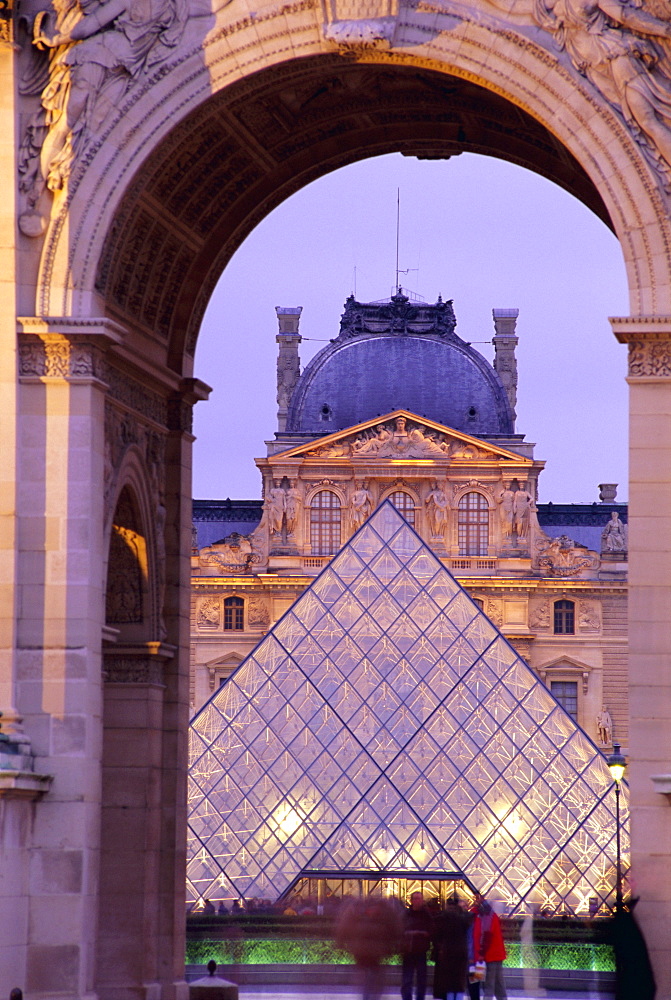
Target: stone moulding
pixel 23 784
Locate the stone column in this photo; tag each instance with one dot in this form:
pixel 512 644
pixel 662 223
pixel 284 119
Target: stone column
pixel 505 341
pixel 649 340
pixel 288 362
pixel 8 310
pixel 62 371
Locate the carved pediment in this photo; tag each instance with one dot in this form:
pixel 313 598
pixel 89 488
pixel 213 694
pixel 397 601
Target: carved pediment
pixel 397 436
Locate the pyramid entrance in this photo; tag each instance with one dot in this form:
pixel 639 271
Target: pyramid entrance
pixel 385 727
pixel 399 885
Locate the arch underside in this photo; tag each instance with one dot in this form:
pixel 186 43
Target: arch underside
pixel 250 146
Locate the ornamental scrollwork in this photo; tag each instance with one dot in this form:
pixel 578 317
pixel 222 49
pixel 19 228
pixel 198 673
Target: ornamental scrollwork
pixel 650 358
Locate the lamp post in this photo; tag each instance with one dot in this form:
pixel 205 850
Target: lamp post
pixel 616 765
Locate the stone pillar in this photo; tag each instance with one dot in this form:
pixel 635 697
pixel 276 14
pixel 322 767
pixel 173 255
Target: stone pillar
pixel 288 362
pixel 505 341
pixel 649 340
pixel 62 371
pixel 8 390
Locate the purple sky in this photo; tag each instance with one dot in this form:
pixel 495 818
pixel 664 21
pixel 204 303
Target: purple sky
pixel 473 229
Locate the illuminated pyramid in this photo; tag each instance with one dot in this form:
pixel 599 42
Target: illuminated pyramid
pixel 384 724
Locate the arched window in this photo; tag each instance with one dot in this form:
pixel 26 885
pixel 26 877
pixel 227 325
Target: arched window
pixel 473 521
pixel 405 505
pixel 234 614
pixel 325 523
pixel 564 618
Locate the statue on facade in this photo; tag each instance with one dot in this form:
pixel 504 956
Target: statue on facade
pixel 437 508
pixel 506 500
pixel 360 505
pixel 292 508
pixel 275 507
pixel 623 50
pixel 604 725
pixel 614 535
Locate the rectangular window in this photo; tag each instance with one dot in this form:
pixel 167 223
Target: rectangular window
pixel 566 693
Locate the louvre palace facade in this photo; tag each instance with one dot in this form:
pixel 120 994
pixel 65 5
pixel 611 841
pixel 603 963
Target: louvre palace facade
pixel 435 700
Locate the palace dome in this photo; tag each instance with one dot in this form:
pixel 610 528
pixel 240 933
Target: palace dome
pixel 399 354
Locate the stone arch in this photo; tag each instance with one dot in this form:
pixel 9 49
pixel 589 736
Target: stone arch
pixel 517 100
pixel 243 115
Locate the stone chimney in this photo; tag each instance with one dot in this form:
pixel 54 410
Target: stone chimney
pixel 288 362
pixel 505 341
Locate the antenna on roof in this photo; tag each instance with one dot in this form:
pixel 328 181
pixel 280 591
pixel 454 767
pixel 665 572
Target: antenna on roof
pixel 398 224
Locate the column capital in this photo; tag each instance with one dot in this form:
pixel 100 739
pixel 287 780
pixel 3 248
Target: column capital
pixel 649 342
pixel 65 348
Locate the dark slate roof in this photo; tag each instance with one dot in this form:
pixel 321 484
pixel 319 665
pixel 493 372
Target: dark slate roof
pixel 399 355
pixel 587 514
pixel 216 519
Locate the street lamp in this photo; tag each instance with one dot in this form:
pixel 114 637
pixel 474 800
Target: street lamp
pixel 616 765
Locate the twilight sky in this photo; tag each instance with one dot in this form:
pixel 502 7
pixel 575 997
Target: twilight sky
pixel 473 229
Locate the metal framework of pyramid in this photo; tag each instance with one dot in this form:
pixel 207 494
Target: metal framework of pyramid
pixel 384 724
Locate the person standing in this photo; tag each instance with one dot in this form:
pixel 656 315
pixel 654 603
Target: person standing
pixel 450 950
pixel 417 936
pixel 493 952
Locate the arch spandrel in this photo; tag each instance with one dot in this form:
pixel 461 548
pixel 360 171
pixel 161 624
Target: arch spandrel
pixel 199 155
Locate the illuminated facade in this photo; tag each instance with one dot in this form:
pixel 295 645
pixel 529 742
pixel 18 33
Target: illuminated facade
pixel 384 727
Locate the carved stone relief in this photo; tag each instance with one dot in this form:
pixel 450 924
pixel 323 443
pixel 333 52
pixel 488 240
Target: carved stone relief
pixel 232 555
pixel 650 358
pixel 563 557
pixel 127 555
pixel 398 439
pixel 494 612
pixel 541 616
pixel 589 618
pixel 624 50
pixel 258 612
pixel 83 62
pixel 54 355
pixel 208 612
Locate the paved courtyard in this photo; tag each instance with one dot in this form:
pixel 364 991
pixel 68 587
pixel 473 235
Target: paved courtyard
pixel 341 993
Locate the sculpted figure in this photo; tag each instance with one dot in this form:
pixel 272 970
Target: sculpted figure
pixel 604 725
pixel 372 445
pixel 437 506
pixel 275 509
pixel 506 500
pixel 97 48
pixel 613 536
pixel 360 505
pixel 623 50
pixel 522 504
pixel 293 504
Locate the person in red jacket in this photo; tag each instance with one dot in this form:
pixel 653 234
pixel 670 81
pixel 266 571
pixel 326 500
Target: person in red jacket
pixel 493 952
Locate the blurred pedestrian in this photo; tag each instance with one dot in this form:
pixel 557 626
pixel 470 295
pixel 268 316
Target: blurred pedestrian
pixel 450 952
pixel 476 964
pixel 417 937
pixel 370 929
pixel 494 953
pixel 634 978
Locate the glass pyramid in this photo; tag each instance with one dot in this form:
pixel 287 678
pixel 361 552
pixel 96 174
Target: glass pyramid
pixel 384 724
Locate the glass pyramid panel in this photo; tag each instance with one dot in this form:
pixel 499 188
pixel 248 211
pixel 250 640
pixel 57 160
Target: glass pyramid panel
pixel 384 724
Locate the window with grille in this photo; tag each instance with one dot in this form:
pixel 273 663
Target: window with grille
pixel 404 503
pixel 473 523
pixel 325 523
pixel 234 614
pixel 566 693
pixel 564 618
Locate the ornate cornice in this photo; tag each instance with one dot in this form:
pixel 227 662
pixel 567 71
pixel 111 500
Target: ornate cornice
pixel 649 341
